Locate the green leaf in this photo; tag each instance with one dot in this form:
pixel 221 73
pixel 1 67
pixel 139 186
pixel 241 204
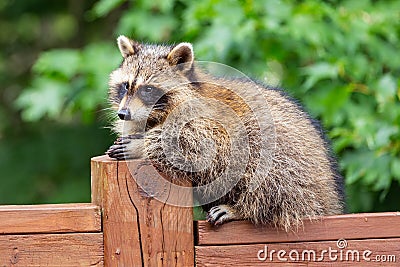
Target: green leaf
pixel 100 59
pixel 64 62
pixel 318 72
pixel 386 89
pixel 145 25
pixel 103 7
pixel 45 98
pixel 395 168
pixel 384 133
pixel 162 5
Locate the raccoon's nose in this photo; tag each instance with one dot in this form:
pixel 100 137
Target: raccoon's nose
pixel 124 114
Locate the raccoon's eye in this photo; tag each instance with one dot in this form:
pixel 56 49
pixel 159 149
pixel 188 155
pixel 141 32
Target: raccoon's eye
pixel 123 88
pixel 149 94
pixel 146 90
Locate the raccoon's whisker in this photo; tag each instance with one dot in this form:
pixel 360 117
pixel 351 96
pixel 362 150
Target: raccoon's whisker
pixel 107 109
pixel 106 115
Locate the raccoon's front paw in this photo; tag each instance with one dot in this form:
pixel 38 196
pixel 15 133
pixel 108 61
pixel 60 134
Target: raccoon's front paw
pixel 220 214
pixel 127 147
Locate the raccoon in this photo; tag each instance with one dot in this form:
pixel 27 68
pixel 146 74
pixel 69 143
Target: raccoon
pixel 223 133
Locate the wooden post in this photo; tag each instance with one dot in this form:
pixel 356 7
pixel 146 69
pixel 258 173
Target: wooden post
pixel 140 230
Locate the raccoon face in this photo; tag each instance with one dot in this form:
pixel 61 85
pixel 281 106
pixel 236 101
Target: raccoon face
pixel 149 80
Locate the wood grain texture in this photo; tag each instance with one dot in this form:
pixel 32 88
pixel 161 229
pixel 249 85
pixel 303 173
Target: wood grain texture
pixel 121 232
pixel 349 226
pixel 384 252
pixel 83 249
pixel 140 230
pixel 50 218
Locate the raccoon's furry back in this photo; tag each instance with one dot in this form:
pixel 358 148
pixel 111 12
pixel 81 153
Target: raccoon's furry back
pixel 301 181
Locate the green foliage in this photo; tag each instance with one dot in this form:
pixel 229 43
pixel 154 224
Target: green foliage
pixel 340 58
pixel 102 8
pixel 68 81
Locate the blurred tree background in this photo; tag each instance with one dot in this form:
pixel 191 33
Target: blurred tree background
pixel 340 58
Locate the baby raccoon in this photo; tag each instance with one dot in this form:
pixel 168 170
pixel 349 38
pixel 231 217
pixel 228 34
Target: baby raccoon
pixel 251 151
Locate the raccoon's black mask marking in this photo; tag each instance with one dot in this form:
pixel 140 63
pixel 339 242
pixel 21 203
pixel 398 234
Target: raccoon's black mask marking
pixel 149 94
pixel 122 90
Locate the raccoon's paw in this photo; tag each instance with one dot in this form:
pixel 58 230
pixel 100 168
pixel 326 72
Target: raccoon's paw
pixel 118 149
pixel 127 147
pixel 220 214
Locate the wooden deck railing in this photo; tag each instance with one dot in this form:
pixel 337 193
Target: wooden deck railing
pixel 51 235
pixel 124 226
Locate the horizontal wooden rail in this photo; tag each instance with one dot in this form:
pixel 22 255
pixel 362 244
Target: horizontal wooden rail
pixel 51 235
pixel 348 237
pixel 73 249
pixel 349 226
pixel 260 254
pixel 50 218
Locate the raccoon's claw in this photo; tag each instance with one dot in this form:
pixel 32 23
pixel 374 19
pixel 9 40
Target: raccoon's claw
pixel 218 215
pixel 117 152
pixel 123 147
pixel 118 149
pixel 121 141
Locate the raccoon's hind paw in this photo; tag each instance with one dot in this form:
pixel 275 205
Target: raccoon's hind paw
pixel 126 147
pixel 220 214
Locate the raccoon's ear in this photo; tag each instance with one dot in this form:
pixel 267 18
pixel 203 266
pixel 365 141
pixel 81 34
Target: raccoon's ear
pixel 126 46
pixel 181 54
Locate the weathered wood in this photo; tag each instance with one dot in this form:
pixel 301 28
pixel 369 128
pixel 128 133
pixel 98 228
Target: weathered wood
pixel 351 226
pixel 49 218
pixel 83 249
pixel 140 230
pixel 121 232
pixel 383 252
